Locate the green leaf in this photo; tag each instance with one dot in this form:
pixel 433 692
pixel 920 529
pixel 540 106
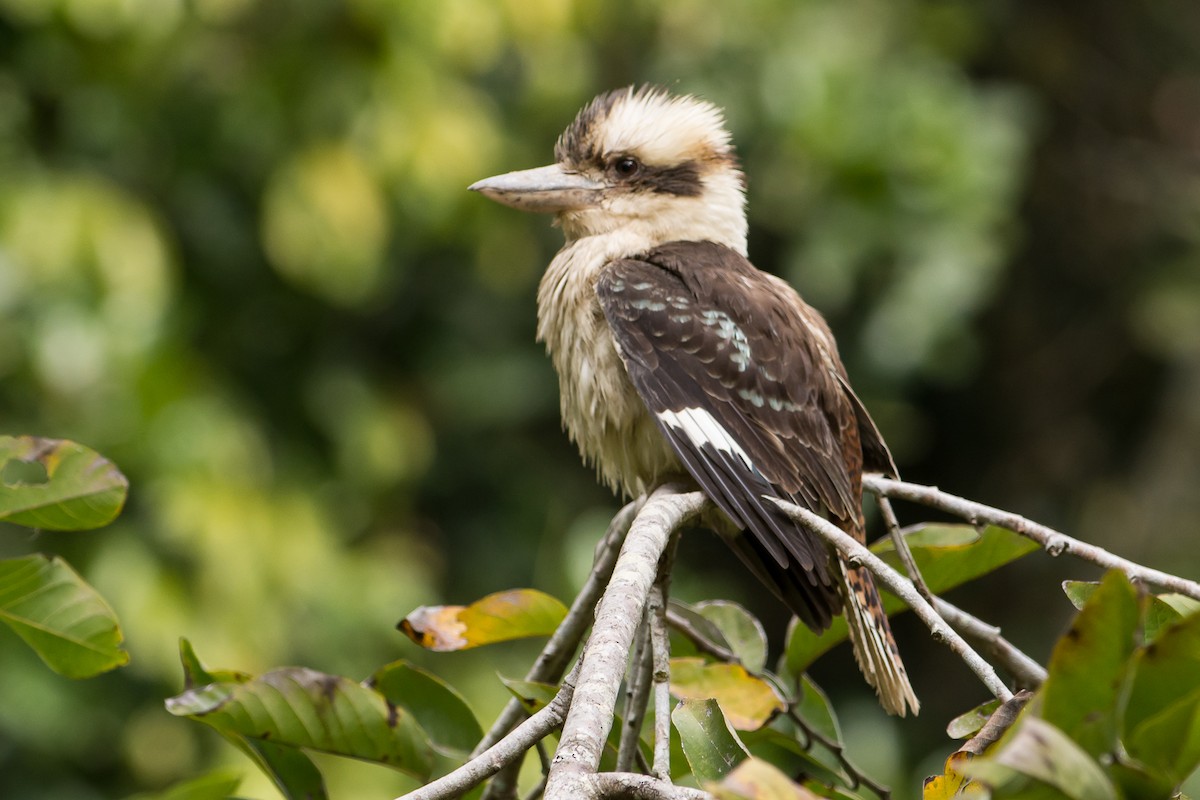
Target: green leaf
pixel 196 674
pixel 1039 750
pixel 300 707
pixel 439 709
pixel 970 723
pixel 58 485
pixel 1164 609
pixel 710 745
pixel 217 785
pixel 533 695
pixel 755 779
pixel 1086 672
pixel 1140 782
pixel 500 617
pixel 814 708
pixel 947 555
pixel 291 770
pixel 1185 606
pixel 1078 592
pixel 740 629
pixel 1161 726
pixel 66 622
pixel 795 757
pixel 683 645
pixel 747 700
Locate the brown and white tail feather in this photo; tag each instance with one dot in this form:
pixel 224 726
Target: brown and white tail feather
pixel 874 647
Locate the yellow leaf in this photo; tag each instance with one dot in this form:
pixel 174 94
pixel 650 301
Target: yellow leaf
pixel 953 783
pixel 755 779
pixel 500 617
pixel 746 700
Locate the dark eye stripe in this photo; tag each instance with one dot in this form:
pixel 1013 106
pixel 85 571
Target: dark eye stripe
pixel 682 179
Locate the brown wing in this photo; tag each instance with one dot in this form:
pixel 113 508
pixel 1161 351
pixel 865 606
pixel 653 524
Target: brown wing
pixel 744 385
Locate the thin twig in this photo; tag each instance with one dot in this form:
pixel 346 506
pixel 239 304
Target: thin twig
pixel 642 763
pixel 902 548
pixel 856 776
pixel 902 588
pixel 637 695
pixel 1052 541
pixel 661 649
pixel 1001 720
pixel 550 663
pixel 508 749
pixel 1027 672
pixel 702 642
pixel 640 787
pixel 591 715
pixel 656 615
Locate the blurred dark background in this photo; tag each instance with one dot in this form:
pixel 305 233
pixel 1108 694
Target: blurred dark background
pixel 237 256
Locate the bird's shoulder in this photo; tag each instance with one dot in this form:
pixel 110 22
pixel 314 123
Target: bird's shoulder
pixel 687 293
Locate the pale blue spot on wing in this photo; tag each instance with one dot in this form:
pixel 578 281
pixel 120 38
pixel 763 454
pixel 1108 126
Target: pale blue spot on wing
pixel 646 304
pixel 752 397
pixel 729 330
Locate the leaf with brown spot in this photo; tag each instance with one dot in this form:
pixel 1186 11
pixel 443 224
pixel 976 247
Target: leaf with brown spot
pixel 301 708
pixel 500 617
pixel 951 783
pixel 440 710
pixel 1161 725
pixel 1088 667
pixel 58 485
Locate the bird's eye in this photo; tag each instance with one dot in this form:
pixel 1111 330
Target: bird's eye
pixel 626 167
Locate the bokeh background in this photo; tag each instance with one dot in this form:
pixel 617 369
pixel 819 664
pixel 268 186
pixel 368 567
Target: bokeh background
pixel 237 257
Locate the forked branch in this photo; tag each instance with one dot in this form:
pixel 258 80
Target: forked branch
pixel 903 588
pixel 1052 541
pixel 630 587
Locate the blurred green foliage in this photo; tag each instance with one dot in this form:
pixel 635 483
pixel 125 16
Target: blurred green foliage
pixel 237 257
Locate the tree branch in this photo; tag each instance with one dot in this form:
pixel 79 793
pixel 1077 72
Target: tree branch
pixel 640 787
pixel 637 695
pixel 856 775
pixel 1027 671
pixel 510 748
pixel 660 641
pixel 1052 541
pixel 902 588
pixel 550 663
pixel 703 643
pixel 591 714
pixel 902 549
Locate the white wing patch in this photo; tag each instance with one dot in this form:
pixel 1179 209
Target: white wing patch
pixel 702 428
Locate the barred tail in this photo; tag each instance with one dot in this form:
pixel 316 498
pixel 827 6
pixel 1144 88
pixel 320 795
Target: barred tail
pixel 874 647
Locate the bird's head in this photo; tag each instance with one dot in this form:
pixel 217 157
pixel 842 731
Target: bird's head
pixel 642 161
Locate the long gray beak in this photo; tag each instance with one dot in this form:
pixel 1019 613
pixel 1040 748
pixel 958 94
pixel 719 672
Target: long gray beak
pixel 546 189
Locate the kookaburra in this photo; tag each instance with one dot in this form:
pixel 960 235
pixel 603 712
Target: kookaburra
pixel 677 357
